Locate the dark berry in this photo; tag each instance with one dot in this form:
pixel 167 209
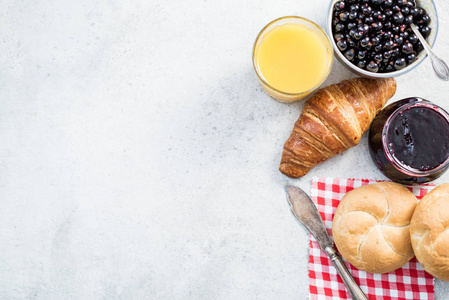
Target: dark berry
pixel 351 25
pixel 342 45
pixel 339 36
pixel 419 47
pixel 378 48
pixel 411 58
pixel 405 10
pixel 401 2
pixel 404 35
pixel 413 38
pixel 407 48
pixel 361 64
pixel 387 25
pixel 352 32
pixel 388 45
pixel 358 35
pixel 421 11
pixel 376 26
pixel 408 20
pixel 398 18
pixel 395 52
pixel 400 63
pixel 353 15
pixel 363 28
pixel 364 42
pixel 375 40
pixel 389 68
pixel 378 57
pixel 389 13
pixel 354 7
pixel 376 2
pixel 425 31
pixel 350 54
pixel 339 5
pixel 425 19
pixel 387 54
pixel 361 54
pixel 372 67
pixel 387 35
pixel 343 16
pixel 377 14
pixel 368 20
pixel 367 10
pixel 351 43
pixel 339 27
pixel 396 9
pixel 398 40
pixel 411 3
pixel 388 3
pixel 414 11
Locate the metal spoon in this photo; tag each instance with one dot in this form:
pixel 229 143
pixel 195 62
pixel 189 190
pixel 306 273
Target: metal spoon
pixel 439 66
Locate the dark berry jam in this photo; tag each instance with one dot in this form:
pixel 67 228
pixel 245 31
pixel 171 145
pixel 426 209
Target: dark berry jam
pixel 417 130
pixel 409 141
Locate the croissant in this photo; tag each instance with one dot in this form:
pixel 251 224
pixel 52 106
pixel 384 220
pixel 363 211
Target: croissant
pixel 333 120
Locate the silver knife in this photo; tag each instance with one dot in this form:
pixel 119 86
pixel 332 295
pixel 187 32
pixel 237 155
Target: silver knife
pixel 307 214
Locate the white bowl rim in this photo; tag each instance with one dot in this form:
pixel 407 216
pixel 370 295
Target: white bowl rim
pixel 367 73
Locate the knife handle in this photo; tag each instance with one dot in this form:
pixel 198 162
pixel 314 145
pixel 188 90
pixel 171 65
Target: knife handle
pixel 351 285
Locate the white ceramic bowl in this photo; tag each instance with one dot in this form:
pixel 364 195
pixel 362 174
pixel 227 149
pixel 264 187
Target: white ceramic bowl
pixel 430 8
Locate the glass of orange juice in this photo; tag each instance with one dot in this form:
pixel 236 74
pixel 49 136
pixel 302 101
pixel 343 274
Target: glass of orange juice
pixel 292 57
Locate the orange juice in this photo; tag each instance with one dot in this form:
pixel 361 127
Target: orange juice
pixel 292 59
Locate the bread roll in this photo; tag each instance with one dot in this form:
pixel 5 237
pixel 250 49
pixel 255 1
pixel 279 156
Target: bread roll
pixel 429 229
pixel 371 227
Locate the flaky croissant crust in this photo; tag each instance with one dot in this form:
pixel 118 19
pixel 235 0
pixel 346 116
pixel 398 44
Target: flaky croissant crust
pixel 332 121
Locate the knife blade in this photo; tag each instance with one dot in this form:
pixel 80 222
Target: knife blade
pixel 307 214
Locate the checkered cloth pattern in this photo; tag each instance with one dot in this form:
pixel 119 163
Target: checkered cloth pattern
pixel 407 283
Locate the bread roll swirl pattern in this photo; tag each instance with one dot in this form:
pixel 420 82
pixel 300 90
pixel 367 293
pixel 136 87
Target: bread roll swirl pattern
pixel 333 120
pixel 429 230
pixel 371 227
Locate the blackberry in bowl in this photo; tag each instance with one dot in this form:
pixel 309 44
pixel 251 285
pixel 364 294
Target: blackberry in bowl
pixel 373 38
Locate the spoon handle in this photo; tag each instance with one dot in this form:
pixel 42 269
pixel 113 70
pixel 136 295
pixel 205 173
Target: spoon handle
pixel 422 40
pixel 439 66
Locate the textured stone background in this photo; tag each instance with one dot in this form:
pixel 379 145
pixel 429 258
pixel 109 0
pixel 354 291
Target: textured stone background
pixel 139 155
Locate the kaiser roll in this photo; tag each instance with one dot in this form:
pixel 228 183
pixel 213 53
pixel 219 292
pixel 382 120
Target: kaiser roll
pixel 429 229
pixel 371 227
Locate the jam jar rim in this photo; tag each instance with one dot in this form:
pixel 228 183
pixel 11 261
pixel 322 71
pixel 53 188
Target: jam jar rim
pixel 401 167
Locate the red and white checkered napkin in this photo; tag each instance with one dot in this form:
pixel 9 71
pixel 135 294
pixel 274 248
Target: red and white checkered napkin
pixel 409 282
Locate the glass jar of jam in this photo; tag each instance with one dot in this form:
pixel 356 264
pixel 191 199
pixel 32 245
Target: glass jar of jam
pixel 409 141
